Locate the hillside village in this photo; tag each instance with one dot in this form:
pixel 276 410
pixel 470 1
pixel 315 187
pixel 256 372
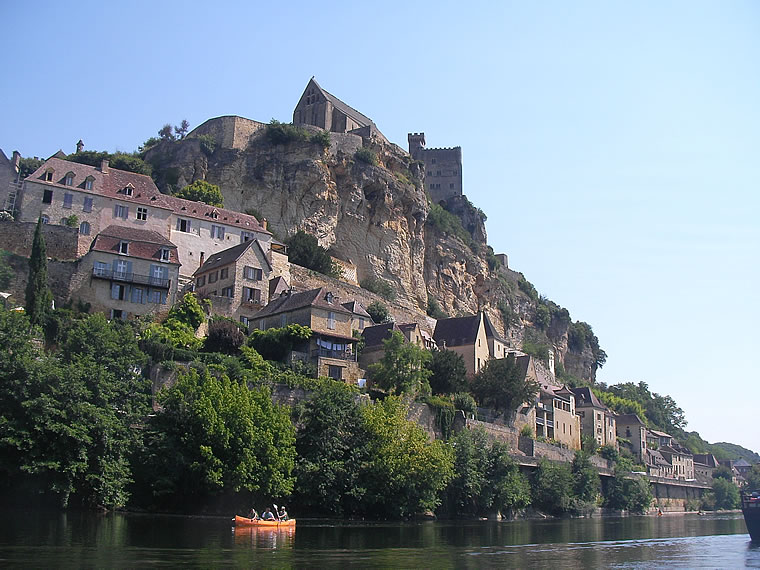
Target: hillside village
pixel 119 245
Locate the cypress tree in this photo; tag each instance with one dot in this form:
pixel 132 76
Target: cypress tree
pixel 38 296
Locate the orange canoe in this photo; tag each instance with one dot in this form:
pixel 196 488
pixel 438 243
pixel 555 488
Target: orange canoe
pixel 243 521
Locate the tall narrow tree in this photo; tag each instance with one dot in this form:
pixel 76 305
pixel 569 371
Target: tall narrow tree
pixel 38 296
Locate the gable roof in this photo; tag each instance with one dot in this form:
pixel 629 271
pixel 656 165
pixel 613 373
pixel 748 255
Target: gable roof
pixel 376 334
pixel 457 331
pixel 707 459
pixel 143 244
pixel 585 397
pixel 629 419
pixel 291 302
pixel 357 309
pixel 230 255
pixel 341 106
pixel 491 331
pixel 277 286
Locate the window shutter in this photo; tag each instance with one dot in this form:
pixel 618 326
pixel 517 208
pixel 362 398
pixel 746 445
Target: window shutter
pixel 126 213
pixel 129 267
pixel 114 265
pixel 116 211
pixel 178 222
pixel 114 291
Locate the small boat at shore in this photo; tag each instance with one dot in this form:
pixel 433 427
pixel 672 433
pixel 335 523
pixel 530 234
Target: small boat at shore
pixel 258 523
pixel 751 511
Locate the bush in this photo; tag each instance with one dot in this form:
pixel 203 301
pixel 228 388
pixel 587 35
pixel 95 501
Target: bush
pixel 71 221
pixel 450 224
pixel 527 287
pixel 202 191
pixel 208 144
pixel 379 287
pixel 366 155
pixel 304 250
pixel 378 312
pixel 527 431
pixel 434 309
pixel 224 336
pixel 465 402
pixel 284 133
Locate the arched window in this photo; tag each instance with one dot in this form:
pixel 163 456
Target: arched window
pixel 88 183
pixel 84 228
pixel 45 219
pixel 69 179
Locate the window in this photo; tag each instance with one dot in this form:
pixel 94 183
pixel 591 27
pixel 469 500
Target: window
pixel 245 236
pixel 245 321
pixel 117 314
pixel 67 200
pixel 129 190
pixel 138 295
pixel 142 214
pixel 183 225
pixel 69 180
pixel 124 247
pixel 159 274
pixel 228 292
pixel 433 161
pixel 84 228
pixel 120 211
pixel 201 281
pixel 224 273
pixel 164 254
pixel 437 172
pixel 47 197
pixel 45 219
pixel 49 175
pixel 252 273
pixel 217 232
pixel 100 269
pixel 451 185
pixel 121 269
pixel 87 205
pixel 335 372
pixel 213 277
pixel 331 320
pixel 251 295
pixel 118 291
pixel 158 297
pixel 88 183
pixel 361 322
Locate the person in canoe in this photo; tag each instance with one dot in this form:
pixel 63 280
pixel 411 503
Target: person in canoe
pixel 254 515
pixel 268 516
pixel 283 514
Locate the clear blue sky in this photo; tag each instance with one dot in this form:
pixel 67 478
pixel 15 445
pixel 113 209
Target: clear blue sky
pixel 613 145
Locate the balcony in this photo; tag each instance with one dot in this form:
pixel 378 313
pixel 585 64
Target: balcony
pixel 329 353
pixel 126 277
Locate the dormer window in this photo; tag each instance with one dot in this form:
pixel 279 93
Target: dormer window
pixel 329 298
pixel 88 183
pixel 129 190
pixel 164 254
pixel 49 175
pixel 215 214
pixel 124 247
pixel 69 179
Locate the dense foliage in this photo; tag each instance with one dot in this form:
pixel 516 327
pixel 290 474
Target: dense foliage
pixel 38 296
pixel 448 374
pixel 284 133
pixel 304 250
pixel 402 370
pixel 378 312
pixel 501 386
pixel 202 191
pixel 131 162
pixel 276 343
pixel 379 287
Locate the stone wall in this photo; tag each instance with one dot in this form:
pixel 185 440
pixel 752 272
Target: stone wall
pixel 61 242
pixel 229 132
pixel 344 143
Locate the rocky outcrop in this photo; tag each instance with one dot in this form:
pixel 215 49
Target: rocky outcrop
pixel 372 215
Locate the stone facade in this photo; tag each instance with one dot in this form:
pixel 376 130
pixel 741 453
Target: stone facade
pixel 630 427
pixel 9 186
pixel 443 168
pixel 229 131
pixel 61 242
pixel 596 419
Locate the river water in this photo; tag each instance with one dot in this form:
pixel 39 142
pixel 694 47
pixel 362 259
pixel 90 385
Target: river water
pixel 86 540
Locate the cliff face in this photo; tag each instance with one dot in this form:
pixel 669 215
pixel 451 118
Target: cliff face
pixel 373 215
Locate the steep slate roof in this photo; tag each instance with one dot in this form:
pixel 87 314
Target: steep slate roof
pixel 143 244
pixel 586 397
pixel 356 308
pixel 113 182
pixel 657 459
pixel 457 331
pixel 341 106
pixel 660 433
pixel 674 450
pixel 629 419
pixel 705 459
pixel 491 331
pixel 277 285
pixel 230 255
pixel 741 463
pixel 313 298
pixel 375 335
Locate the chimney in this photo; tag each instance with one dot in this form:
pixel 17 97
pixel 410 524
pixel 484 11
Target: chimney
pixel 104 166
pixel 80 146
pixel 15 160
pixel 264 223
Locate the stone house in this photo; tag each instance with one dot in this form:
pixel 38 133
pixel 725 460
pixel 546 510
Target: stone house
pixel 657 464
pixel 375 335
pixel 332 347
pixel 596 419
pixel 9 183
pixel 657 439
pixel 555 413
pixel 319 108
pixel 443 168
pixel 705 465
pixel 631 428
pixel 680 459
pixel 98 197
pixel 236 280
pixel 360 318
pixel 131 272
pixel 474 338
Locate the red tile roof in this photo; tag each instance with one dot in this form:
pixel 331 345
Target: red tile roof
pixel 143 244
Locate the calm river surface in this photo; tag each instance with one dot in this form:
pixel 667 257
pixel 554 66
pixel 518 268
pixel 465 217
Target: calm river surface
pixel 82 540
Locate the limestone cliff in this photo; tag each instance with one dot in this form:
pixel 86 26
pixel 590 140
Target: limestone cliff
pixel 373 213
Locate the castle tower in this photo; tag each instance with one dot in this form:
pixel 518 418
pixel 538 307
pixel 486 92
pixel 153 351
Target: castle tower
pixel 416 145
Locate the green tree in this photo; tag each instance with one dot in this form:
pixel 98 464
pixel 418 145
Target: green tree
pixel 407 472
pixel 130 162
pixel 331 446
pixel 448 374
pixel 378 312
pixel 726 494
pixel 379 287
pixel 213 436
pixel 223 336
pixel 626 491
pixel 402 368
pixel 202 191
pixel 586 482
pixel 552 487
pixel 723 472
pixel 188 311
pixel 275 344
pixel 753 478
pixel 501 385
pixel 304 250
pixel 39 299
